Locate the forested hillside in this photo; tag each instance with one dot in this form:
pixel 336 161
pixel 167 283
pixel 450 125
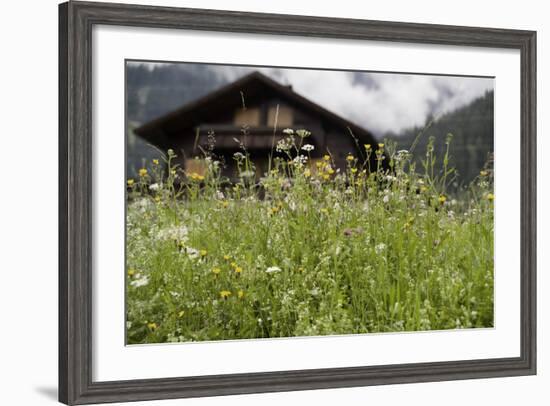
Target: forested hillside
pixel 472 143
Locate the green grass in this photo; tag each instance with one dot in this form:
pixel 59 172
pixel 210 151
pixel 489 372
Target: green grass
pixel 307 250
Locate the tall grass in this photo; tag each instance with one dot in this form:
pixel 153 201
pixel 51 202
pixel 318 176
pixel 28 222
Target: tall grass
pixel 307 249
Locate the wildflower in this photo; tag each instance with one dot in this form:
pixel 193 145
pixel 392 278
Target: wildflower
pixel 330 171
pixel 226 257
pixel 326 177
pixel 484 173
pixel 131 272
pixel 326 157
pixel 247 174
pixel 240 294
pixel 192 253
pixel 154 187
pixel 368 147
pixel 308 147
pixel 224 294
pixel 238 270
pixel 324 211
pixel 275 209
pixel 130 182
pixel 225 204
pixel 152 326
pixel 157 199
pixel 442 199
pixel 273 269
pixel 381 145
pixel 386 198
pixel 139 282
pixel 490 197
pixel 155 161
pixel 196 176
pixel 216 271
pixel 303 133
pixel 288 131
pixel 181 313
pixel 238 155
pixel 350 158
pixel 233 264
pixel 307 173
pixel 353 170
pixel 143 172
pixel 203 253
pixel 379 248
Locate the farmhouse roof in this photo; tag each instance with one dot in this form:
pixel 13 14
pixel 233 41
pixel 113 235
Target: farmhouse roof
pixel 252 87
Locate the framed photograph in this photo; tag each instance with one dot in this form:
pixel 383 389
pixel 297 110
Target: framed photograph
pixel 260 202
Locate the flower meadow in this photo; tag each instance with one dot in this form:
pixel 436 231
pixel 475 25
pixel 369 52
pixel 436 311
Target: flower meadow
pixel 307 249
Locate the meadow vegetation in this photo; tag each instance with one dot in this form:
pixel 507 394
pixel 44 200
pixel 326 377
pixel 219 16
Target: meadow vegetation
pixel 307 249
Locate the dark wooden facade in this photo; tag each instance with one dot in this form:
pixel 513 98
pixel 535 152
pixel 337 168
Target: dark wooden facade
pixel 253 102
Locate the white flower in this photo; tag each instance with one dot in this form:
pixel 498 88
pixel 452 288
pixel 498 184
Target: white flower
pixel 379 248
pixel 238 155
pixel 300 160
pixel 303 133
pixel 192 253
pixel 154 187
pixel 220 195
pixel 308 147
pixel 176 233
pixel 288 131
pixel 247 174
pixel 273 269
pixel 386 198
pixel 285 144
pixel 140 281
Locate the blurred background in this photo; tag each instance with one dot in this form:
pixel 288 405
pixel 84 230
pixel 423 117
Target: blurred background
pixel 399 107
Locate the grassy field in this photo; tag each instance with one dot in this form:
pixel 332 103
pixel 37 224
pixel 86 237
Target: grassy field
pixel 307 250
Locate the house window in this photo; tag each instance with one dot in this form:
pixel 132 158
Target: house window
pixel 284 118
pixel 195 165
pixel 249 116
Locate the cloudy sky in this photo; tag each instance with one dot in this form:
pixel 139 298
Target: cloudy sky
pixel 380 102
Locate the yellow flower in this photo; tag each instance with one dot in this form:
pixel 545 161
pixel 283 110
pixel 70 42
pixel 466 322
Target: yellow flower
pixel 240 294
pixel 484 173
pixel 442 199
pixel 490 197
pixel 130 182
pixel 275 209
pixel 226 257
pixel 155 161
pixel 238 269
pixel 326 158
pixel 224 294
pixel 301 270
pixel 131 272
pixel 203 253
pixel 196 176
pixel 173 172
pixel 368 147
pixel 353 170
pixel 216 271
pixel 330 171
pixel 233 264
pixel 143 172
pixel 350 158
pixel 152 326
pixel 225 204
pixel 423 188
pixel 381 145
pixel 157 199
pixel 180 314
pixel 326 177
pixel 319 164
pixel 324 211
pixel 307 173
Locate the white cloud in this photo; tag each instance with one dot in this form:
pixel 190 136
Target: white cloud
pixel 380 102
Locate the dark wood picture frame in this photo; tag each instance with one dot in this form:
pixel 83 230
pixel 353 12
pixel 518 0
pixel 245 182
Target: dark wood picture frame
pixel 76 20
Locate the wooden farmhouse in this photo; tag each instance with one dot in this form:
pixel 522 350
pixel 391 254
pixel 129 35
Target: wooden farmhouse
pixel 258 104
